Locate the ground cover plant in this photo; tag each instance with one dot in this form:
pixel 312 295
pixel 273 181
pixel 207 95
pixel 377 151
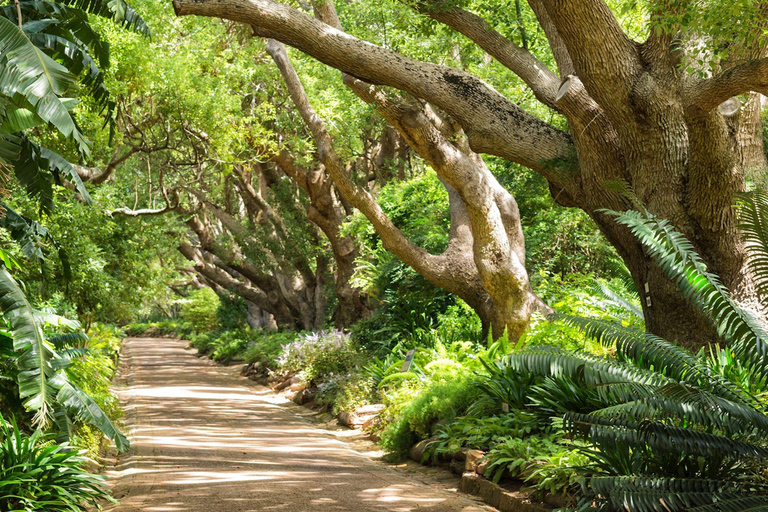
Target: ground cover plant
pixel 38 475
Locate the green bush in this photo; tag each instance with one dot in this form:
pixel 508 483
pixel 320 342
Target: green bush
pixel 163 328
pixel 200 310
pixel 232 312
pixel 38 476
pixel 319 355
pixel 204 342
pixel 266 349
pixel 230 345
pixel 345 391
pixel 480 433
pixel 448 396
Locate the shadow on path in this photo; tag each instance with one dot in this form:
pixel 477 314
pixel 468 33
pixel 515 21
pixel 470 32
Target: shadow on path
pixel 205 440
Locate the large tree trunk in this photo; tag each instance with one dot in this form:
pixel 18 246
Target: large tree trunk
pixel 484 263
pixel 636 116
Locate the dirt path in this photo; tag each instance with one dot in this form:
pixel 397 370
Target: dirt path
pixel 206 440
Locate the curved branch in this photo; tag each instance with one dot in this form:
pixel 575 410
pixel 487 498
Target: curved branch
pixel 542 81
pixel 144 212
pixel 493 124
pixel 97 175
pixel 708 94
pixel 223 279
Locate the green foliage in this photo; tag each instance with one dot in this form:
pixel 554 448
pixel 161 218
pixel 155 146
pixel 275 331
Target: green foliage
pixel 753 217
pixel 39 476
pixel 409 307
pixel 93 373
pixel 448 395
pixel 230 345
pixel 559 241
pixel 680 262
pixel 47 50
pixel 39 370
pixel 319 356
pixel 267 348
pixel 200 310
pixel 345 391
pixel 664 426
pixel 164 328
pixel 480 433
pixel 37 374
pixel 232 312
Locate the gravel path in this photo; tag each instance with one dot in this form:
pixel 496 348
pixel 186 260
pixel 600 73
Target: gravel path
pixel 205 439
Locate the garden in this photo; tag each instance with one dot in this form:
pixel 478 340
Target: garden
pixel 526 241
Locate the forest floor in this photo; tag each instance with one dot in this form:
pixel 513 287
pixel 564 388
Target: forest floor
pixel 205 439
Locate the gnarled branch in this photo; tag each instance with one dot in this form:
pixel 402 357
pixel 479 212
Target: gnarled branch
pixel 493 123
pixel 752 76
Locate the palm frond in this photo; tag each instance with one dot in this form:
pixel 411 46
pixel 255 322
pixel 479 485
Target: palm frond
pixel 116 10
pixel 72 353
pixel 613 298
pixel 740 504
pixel 658 436
pixel 653 494
pixel 753 217
pixel 650 352
pixel 36 373
pixel 546 361
pixel 75 56
pixel 10 147
pixel 68 340
pixel 32 237
pixel 83 407
pixel 29 74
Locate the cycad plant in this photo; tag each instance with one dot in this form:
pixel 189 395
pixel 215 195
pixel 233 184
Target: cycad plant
pixel 669 430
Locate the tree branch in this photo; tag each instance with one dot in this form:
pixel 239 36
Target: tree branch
pixel 542 81
pixel 604 58
pixel 752 76
pixel 145 212
pixel 493 123
pixel 223 279
pixel 559 50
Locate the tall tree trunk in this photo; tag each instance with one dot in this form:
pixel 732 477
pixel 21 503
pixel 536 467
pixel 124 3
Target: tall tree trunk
pixel 636 116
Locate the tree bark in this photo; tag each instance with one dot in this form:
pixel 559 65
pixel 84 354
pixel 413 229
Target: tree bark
pixel 636 117
pixel 489 270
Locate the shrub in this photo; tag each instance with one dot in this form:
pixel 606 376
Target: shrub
pixel 164 328
pixel 199 310
pixel 345 391
pixel 551 463
pixel 36 476
pixel 267 348
pixel 204 342
pixel 230 345
pixel 319 355
pixel 480 433
pixel 232 312
pixel 448 395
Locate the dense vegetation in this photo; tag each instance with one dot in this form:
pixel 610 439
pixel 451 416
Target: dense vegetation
pixel 205 183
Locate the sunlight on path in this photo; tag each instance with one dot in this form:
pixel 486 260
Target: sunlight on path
pixel 204 439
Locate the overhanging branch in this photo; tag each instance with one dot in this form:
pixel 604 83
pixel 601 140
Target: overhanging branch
pixel 493 123
pixel 708 94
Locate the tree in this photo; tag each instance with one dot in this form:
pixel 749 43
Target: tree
pixel 484 262
pixel 646 114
